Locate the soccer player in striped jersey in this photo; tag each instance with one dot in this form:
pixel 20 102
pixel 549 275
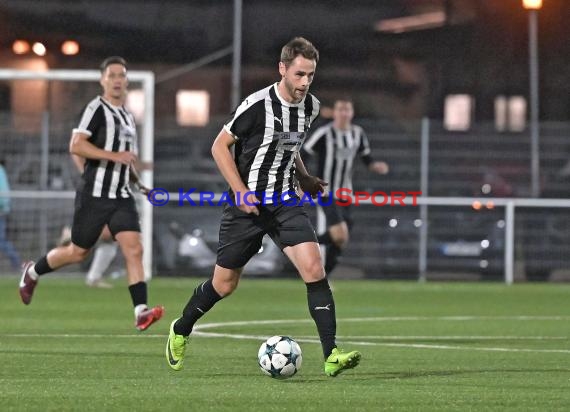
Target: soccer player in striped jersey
pixel 335 146
pixel 267 131
pixel 106 137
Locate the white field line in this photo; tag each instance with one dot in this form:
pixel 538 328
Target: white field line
pixel 443 337
pixel 386 319
pixel 395 345
pixel 198 331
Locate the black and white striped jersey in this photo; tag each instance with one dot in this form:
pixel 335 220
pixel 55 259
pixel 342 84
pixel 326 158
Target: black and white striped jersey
pixel 110 128
pixel 269 133
pixel 335 151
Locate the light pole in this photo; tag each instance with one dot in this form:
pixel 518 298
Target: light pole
pixel 236 59
pixel 533 6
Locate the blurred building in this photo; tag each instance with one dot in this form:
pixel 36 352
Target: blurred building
pixel 400 59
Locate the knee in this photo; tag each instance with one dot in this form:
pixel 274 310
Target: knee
pixel 313 269
pixel 77 254
pixel 226 287
pixel 225 281
pixel 133 251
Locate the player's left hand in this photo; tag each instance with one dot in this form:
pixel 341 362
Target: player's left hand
pixel 312 185
pixel 379 167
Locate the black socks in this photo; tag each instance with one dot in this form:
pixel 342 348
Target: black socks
pixel 203 299
pixel 331 257
pixel 42 266
pixel 138 293
pixel 319 297
pixel 321 306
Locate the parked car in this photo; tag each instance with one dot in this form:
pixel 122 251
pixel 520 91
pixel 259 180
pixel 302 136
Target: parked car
pixel 460 239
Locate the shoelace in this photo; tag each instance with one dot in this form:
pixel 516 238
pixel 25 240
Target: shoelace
pixel 179 348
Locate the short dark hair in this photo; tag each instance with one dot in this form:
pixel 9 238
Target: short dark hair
pixel 299 46
pixel 343 99
pixel 112 60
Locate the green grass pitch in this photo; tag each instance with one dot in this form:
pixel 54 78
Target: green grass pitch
pixel 434 346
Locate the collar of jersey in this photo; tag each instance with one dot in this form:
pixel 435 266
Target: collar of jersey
pixel 285 102
pixel 110 104
pixel 336 129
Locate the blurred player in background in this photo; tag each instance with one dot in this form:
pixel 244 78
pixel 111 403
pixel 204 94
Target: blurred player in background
pixel 335 147
pixel 103 256
pixel 5 245
pixel 267 131
pixel 106 137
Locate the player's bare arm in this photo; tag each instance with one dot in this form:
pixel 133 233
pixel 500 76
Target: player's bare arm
pixel 80 146
pixel 79 162
pixel 225 162
pixel 136 180
pixel 309 184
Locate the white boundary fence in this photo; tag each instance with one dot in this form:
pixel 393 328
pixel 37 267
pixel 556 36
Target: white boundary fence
pixel 510 205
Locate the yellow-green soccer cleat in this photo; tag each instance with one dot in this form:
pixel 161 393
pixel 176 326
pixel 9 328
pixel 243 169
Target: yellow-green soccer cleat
pixel 175 348
pixel 339 361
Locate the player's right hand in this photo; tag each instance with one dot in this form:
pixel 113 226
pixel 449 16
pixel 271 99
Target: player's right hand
pixel 125 158
pixel 312 185
pixel 248 203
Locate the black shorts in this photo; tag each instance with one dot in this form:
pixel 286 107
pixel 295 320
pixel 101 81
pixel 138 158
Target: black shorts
pixel 241 233
pixel 93 213
pixel 332 214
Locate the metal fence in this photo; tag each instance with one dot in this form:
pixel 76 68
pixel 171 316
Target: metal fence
pixel 478 227
pixel 465 232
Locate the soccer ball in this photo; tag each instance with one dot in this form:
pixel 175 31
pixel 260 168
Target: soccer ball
pixel 280 357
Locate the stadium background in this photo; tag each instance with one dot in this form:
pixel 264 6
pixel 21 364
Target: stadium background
pixel 475 52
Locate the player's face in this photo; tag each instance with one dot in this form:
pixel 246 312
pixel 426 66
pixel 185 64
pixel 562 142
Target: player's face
pixel 297 78
pixel 343 113
pixel 114 82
